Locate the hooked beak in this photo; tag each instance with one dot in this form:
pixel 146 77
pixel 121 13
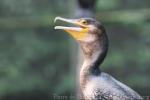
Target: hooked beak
pixel 78 32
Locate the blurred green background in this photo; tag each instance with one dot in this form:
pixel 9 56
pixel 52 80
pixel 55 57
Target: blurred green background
pixel 36 59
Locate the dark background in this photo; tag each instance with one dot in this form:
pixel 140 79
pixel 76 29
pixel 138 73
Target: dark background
pixel 36 60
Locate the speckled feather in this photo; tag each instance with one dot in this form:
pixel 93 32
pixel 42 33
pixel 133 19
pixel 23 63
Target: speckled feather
pixel 106 87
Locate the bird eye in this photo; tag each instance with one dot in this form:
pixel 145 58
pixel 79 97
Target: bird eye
pixel 84 22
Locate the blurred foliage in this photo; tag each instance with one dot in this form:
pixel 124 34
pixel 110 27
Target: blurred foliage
pixel 35 58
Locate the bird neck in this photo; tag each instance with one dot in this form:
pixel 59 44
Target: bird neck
pixel 94 54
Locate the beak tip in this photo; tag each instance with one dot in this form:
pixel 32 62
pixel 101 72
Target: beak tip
pixel 56 18
pixel 58 27
pixel 55 27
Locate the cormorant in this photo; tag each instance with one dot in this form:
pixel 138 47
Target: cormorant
pixel 96 85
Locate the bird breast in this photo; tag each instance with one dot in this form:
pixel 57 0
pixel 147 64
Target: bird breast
pixel 106 87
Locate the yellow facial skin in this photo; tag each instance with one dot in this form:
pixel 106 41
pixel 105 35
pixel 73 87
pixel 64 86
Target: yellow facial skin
pixel 76 32
pixel 78 35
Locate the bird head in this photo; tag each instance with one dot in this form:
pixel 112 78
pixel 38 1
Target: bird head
pixel 84 29
pixel 91 36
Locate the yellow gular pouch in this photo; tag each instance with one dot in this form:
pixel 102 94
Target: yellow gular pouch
pixel 78 35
